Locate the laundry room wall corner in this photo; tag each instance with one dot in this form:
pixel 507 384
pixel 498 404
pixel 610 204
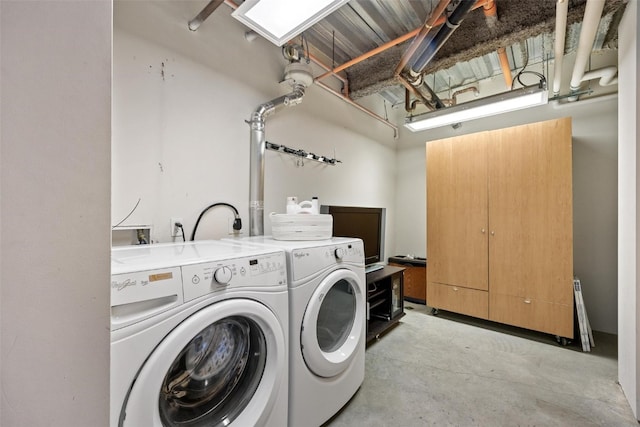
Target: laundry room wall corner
pixel 54 215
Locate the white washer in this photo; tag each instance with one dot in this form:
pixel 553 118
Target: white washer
pixel 327 318
pixel 199 335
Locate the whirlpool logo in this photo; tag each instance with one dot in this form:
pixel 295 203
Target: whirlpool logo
pixel 300 255
pixel 120 285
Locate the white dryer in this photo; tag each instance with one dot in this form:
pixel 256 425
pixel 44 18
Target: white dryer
pixel 198 335
pixel 327 318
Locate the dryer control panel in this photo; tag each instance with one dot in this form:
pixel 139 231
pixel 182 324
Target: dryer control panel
pixel 260 272
pixel 308 261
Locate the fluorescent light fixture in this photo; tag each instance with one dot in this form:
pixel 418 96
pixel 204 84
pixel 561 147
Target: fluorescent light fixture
pixel 485 107
pixel 281 20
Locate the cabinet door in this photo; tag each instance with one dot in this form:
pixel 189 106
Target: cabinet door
pixel 457 212
pixel 530 212
pixel 415 279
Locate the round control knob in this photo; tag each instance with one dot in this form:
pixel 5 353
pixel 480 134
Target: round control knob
pixel 339 253
pixel 223 275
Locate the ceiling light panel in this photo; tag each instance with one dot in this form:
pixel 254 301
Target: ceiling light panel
pixel 485 107
pixel 281 20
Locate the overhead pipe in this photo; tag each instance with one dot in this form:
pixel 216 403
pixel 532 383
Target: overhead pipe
pixel 420 97
pixel 409 105
pixel 490 10
pixel 194 24
pixel 411 85
pixel 592 14
pixel 388 45
pixel 345 96
pixel 454 97
pixel 430 49
pixel 436 15
pixel 417 81
pixel 369 54
pixel 360 107
pixel 325 67
pixel 504 65
pixel 427 48
pixel 491 14
pixel 562 8
pixel 607 75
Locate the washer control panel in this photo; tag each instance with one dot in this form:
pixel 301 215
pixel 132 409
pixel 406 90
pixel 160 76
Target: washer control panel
pixel 249 272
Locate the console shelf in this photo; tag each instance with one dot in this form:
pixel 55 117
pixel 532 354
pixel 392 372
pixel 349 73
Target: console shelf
pixel 385 306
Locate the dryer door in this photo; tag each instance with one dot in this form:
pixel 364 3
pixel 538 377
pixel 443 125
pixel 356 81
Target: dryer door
pixel 333 324
pixel 222 366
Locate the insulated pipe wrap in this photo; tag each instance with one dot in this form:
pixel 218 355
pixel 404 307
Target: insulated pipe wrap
pixel 431 47
pixel 562 8
pixel 592 14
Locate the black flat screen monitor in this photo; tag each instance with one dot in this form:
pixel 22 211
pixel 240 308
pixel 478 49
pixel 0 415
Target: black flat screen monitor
pixel 362 222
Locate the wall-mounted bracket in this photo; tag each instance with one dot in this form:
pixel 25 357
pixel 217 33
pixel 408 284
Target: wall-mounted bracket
pixel 301 154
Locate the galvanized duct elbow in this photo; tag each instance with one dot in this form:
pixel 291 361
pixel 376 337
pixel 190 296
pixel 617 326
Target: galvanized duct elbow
pixel 299 76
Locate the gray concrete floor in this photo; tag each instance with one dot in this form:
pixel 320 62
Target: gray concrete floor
pixel 453 370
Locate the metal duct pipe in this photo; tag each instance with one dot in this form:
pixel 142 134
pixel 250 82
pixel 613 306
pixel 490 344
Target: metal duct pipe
pixel 256 158
pixel 562 8
pixel 431 47
pixel 592 15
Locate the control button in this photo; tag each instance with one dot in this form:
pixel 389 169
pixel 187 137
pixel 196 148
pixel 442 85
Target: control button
pixel 195 279
pixel 339 253
pixel 223 275
pixel 243 271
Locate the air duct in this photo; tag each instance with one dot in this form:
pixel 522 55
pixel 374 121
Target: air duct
pixel 299 76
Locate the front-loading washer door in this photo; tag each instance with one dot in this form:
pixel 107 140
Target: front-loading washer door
pixel 222 366
pixel 333 324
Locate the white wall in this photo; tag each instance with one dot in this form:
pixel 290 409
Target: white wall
pixel 54 213
pixel 180 141
pixel 628 212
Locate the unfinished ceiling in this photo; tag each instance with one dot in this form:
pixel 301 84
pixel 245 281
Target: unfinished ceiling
pixel 366 48
pixel 523 27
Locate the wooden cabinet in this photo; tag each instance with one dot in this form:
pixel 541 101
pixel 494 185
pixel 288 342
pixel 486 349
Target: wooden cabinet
pixel 385 304
pixel 499 226
pixel 415 277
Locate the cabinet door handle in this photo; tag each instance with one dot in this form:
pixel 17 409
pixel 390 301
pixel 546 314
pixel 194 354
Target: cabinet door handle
pixel 455 288
pixel 527 301
pixel 493 233
pixel 483 231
